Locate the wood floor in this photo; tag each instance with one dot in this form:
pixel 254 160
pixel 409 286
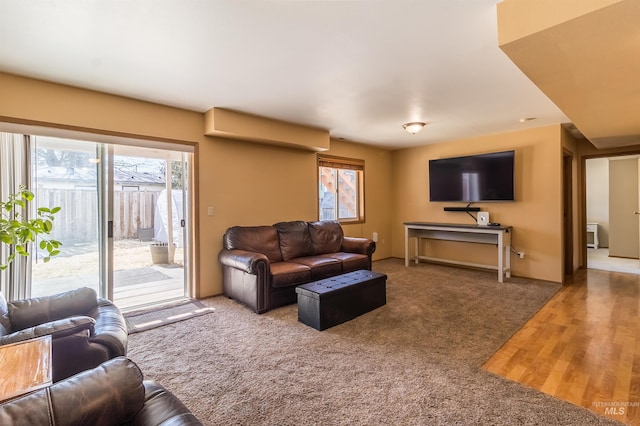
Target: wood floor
pixel 583 346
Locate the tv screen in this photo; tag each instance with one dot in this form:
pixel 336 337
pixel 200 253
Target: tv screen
pixel 484 177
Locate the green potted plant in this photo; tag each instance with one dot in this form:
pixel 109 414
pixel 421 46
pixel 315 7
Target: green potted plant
pixel 17 232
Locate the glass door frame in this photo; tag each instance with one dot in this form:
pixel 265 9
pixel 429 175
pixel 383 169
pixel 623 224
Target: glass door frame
pixel 105 164
pixel 105 235
pixel 187 241
pixel 186 165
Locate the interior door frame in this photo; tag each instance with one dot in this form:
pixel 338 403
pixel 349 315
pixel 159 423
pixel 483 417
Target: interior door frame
pixel 583 197
pixel 567 212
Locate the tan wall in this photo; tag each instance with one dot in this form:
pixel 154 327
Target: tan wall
pixel 231 124
pixel 587 150
pixel 250 183
pixel 597 170
pixel 536 215
pixel 520 18
pixel 245 183
pixel 623 201
pixel 58 105
pixel 378 190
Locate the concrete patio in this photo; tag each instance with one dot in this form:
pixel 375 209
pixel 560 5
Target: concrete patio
pixel 136 280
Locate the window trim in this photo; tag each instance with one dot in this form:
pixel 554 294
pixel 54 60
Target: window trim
pixel 346 163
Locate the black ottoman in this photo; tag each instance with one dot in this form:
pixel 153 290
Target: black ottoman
pixel 332 301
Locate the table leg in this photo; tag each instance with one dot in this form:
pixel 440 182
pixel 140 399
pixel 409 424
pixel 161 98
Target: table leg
pixel 500 258
pixel 406 246
pixel 507 253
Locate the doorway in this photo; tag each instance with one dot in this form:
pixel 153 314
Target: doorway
pixel 612 228
pixel 122 221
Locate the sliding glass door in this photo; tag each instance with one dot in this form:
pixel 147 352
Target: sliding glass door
pixel 148 223
pixel 65 173
pixel 122 220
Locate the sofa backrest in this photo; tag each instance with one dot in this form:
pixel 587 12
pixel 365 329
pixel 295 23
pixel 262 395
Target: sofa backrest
pixel 295 239
pixel 286 240
pixel 326 235
pixel 27 313
pixel 258 239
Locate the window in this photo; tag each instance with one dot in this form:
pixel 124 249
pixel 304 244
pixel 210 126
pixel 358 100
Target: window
pixel 340 189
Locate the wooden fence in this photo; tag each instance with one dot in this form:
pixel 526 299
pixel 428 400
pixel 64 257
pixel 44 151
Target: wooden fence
pixel 78 218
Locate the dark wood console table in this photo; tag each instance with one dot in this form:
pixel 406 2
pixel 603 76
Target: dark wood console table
pixel 499 236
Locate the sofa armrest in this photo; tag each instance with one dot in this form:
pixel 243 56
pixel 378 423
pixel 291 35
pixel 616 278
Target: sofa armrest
pixel 358 245
pixel 110 328
pixel 162 407
pixel 246 261
pixel 246 277
pixel 57 329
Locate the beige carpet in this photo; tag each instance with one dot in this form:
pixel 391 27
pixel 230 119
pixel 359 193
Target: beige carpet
pixel 415 361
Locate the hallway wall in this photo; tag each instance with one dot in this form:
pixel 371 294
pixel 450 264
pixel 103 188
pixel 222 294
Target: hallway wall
pixel 598 196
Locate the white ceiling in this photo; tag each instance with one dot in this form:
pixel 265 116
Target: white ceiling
pixel 359 69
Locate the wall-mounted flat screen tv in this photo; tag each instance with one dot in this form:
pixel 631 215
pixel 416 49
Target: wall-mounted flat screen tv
pixel 483 177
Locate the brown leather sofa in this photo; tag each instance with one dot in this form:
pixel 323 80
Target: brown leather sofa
pixel 85 330
pixel 263 265
pixel 113 393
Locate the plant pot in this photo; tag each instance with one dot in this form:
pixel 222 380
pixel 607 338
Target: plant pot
pixel 159 254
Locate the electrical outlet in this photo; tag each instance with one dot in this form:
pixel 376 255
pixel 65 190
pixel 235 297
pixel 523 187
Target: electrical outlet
pixel 210 211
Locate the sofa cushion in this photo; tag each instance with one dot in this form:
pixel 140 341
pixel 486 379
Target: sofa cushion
pixel 326 236
pixel 258 239
pixel 321 266
pixel 350 261
pixel 285 274
pixel 295 240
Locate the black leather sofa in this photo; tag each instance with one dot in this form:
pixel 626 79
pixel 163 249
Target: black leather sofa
pixel 85 330
pixel 113 393
pixel 263 265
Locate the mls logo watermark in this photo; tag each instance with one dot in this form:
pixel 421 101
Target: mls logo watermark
pixel 616 411
pixel 615 408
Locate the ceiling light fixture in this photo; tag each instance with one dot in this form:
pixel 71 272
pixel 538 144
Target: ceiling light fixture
pixel 525 119
pixel 414 127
